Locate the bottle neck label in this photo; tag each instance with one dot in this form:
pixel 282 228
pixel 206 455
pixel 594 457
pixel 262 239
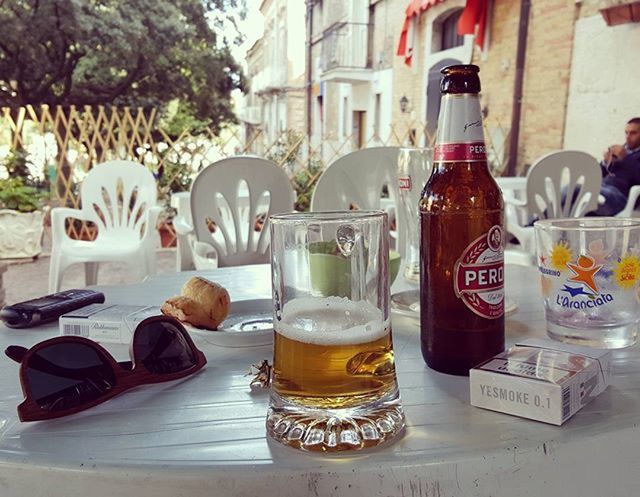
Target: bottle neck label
pixel 460 134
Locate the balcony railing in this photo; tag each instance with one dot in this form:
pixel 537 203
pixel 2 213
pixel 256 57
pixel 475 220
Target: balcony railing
pixel 346 45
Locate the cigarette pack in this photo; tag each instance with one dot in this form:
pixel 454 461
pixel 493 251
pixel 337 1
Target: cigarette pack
pixel 106 323
pixel 541 379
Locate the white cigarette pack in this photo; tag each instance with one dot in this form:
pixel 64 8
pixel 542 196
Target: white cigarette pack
pixel 541 379
pixel 106 323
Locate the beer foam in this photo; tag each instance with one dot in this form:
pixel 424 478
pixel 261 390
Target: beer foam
pixel 331 321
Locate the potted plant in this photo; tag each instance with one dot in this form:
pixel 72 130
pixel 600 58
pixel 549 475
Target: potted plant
pixel 173 177
pixel 21 218
pixel 21 213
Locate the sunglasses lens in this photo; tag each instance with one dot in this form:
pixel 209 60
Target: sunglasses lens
pixel 162 347
pixel 66 375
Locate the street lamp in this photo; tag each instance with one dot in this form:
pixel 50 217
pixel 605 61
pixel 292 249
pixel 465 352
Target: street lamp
pixel 404 102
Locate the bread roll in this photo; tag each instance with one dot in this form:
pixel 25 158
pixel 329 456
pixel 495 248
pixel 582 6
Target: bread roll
pixel 203 304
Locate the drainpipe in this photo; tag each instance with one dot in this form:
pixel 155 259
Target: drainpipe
pixel 516 110
pixel 309 67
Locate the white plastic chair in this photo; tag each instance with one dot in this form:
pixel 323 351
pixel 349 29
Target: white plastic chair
pixel 119 197
pixel 567 173
pixel 630 209
pixel 231 195
pixel 356 180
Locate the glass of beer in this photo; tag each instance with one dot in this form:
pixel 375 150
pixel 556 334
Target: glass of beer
pixel 334 382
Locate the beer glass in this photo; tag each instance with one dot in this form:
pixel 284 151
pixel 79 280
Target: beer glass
pixel 413 170
pixel 590 278
pixel 334 382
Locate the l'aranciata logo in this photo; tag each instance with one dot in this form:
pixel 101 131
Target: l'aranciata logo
pixel 586 295
pixel 584 271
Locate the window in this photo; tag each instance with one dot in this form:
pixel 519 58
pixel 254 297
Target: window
pixel 450 37
pixel 321 107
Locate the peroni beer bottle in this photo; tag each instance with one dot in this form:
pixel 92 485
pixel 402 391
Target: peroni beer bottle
pixel 462 238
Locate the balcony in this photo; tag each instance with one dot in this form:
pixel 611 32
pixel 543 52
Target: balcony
pixel 346 53
pixel 250 115
pixel 272 78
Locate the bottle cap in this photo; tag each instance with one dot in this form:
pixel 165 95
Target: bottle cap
pixel 461 78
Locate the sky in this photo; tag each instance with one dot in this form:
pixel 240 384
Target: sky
pixel 252 27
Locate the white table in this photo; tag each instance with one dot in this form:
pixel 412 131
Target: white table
pixel 205 436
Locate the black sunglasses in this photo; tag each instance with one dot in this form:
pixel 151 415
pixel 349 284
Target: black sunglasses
pixel 68 374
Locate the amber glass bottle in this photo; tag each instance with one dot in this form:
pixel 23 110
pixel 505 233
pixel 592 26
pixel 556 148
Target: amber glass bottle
pixel 462 237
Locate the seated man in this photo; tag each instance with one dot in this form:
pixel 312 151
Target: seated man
pixel 620 171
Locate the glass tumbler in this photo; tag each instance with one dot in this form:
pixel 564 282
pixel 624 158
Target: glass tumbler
pixel 413 170
pixel 334 382
pixel 590 274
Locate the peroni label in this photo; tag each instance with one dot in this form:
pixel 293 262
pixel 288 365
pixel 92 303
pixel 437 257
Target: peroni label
pixel 479 275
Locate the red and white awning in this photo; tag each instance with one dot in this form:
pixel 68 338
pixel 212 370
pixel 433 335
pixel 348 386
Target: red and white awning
pixel 472 21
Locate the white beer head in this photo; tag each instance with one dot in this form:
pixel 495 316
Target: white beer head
pixel 331 321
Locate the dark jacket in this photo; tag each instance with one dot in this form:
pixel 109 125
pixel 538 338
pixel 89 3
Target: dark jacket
pixel 623 173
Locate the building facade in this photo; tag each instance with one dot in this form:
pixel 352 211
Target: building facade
pixel 276 75
pixel 577 87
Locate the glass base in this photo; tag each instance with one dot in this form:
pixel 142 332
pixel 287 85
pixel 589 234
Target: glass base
pixel 334 430
pixel 611 337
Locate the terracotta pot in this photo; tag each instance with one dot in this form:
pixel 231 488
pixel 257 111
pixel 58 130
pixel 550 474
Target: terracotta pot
pixel 167 234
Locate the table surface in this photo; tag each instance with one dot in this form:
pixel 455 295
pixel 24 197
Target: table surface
pixel 205 435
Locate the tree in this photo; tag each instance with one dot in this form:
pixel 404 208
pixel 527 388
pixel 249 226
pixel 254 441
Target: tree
pixel 142 53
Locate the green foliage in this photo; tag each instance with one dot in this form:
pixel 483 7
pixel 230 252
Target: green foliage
pixel 141 53
pixel 14 194
pixel 287 153
pixel 180 116
pixel 16 164
pixel 20 191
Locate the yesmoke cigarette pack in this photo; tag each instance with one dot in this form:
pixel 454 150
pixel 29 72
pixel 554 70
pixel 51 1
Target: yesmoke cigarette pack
pixel 541 379
pixel 106 323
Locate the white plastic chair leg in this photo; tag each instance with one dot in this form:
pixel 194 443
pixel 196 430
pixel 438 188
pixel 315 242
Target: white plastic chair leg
pixel 150 262
pixel 57 266
pixel 90 273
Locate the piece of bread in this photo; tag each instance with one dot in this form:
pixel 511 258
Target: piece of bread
pixel 203 303
pixel 188 311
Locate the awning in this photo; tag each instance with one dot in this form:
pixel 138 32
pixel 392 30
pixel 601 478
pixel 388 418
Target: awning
pixel 472 21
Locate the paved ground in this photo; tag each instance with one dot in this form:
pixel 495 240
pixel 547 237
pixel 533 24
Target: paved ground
pixel 29 279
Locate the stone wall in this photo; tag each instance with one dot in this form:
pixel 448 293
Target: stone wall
pixel 546 79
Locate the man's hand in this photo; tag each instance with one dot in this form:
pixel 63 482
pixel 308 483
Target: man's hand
pixel 617 152
pixel 614 152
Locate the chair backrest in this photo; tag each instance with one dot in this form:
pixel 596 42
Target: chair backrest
pixel 355 180
pixel 564 183
pixel 231 201
pixel 116 195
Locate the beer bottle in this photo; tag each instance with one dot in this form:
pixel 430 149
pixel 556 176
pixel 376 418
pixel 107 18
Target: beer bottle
pixel 462 237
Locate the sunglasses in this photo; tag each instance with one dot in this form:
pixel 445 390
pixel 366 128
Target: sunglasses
pixel 68 374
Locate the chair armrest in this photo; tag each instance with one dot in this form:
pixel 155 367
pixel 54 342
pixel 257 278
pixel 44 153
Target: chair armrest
pixel 204 256
pixel 634 193
pixel 182 226
pixel 152 218
pixel 58 216
pixel 516 202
